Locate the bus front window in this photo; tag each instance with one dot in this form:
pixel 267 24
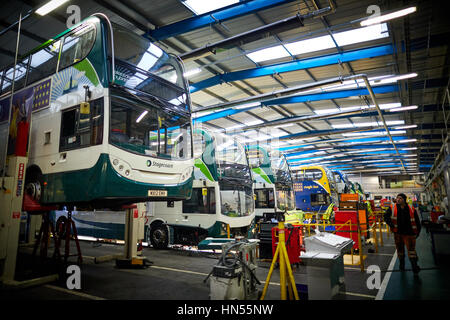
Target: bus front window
pixel 236 202
pixel 141 65
pixel 144 129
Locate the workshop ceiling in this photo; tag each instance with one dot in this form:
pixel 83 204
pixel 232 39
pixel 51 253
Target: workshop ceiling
pixel 306 50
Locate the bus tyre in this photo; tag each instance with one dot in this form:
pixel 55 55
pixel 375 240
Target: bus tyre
pixel 33 183
pixel 159 237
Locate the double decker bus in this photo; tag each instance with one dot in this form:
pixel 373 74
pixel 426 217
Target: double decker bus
pixel 343 184
pixel 272 180
pixel 222 196
pixel 110 118
pixel 314 188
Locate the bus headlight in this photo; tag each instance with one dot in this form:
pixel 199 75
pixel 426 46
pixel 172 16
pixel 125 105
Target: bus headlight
pixel 122 167
pixel 186 174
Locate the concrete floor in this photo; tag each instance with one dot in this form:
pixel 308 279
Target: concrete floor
pixel 179 275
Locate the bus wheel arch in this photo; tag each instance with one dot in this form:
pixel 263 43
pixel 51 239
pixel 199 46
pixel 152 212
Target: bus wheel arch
pixel 159 235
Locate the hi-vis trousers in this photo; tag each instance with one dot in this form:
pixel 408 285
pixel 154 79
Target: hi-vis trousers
pixel 410 241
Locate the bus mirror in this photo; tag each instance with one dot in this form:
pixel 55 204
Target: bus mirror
pixel 204 191
pixel 85 108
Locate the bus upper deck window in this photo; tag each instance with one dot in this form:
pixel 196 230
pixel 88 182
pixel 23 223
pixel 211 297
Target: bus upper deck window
pixel 77 45
pixel 43 62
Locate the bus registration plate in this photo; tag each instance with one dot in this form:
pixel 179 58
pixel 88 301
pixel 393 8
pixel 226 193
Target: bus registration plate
pixel 157 193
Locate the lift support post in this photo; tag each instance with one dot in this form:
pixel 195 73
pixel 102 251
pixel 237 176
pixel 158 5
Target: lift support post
pixel 134 234
pixel 11 195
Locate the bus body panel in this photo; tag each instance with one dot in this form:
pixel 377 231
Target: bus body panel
pixel 206 179
pixel 266 169
pixel 90 172
pixel 306 191
pixel 314 193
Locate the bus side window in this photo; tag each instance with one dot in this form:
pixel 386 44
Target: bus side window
pixel 82 129
pixel 77 45
pixel 43 63
pixel 200 203
pixel 69 139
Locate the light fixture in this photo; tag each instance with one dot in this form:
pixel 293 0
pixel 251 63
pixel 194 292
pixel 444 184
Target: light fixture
pixel 412 148
pixel 403 109
pixel 389 16
pixel 50 6
pixel 141 116
pixel 412 126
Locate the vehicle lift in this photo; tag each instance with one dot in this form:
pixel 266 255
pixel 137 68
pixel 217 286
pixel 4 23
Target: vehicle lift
pixel 134 234
pixel 11 202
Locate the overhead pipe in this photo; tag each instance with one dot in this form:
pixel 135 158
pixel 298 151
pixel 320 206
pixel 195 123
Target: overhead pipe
pixel 271 95
pixel 375 102
pixel 256 34
pixel 285 92
pixel 329 141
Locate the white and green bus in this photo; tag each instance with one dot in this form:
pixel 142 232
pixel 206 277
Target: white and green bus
pixel 273 185
pixel 222 196
pixel 110 118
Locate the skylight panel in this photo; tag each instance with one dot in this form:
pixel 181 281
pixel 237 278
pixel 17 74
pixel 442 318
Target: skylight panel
pixel 268 54
pixel 310 45
pixel 344 38
pixel 40 57
pixel 147 61
pixel 203 6
pixel 374 32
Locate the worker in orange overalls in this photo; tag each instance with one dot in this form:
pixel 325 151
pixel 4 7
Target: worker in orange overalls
pixel 404 222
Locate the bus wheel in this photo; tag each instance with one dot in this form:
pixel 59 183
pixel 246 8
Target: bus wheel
pixel 159 237
pixel 33 183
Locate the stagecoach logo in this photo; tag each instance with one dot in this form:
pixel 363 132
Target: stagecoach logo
pixel 159 164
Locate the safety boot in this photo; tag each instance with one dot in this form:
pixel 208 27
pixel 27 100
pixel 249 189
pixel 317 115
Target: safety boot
pixel 415 266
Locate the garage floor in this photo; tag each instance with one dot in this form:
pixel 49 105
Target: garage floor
pixel 179 275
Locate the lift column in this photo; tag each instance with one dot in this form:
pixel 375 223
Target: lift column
pixel 11 195
pixel 134 234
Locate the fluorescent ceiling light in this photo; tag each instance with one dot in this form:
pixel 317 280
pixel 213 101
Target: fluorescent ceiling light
pixel 202 6
pixel 412 148
pixel 141 116
pixel 379 133
pixel 406 140
pixel 355 108
pixel 268 54
pixel 366 124
pixel 389 16
pixel 403 109
pixel 359 83
pixel 395 78
pixel 407 127
pixel 50 6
